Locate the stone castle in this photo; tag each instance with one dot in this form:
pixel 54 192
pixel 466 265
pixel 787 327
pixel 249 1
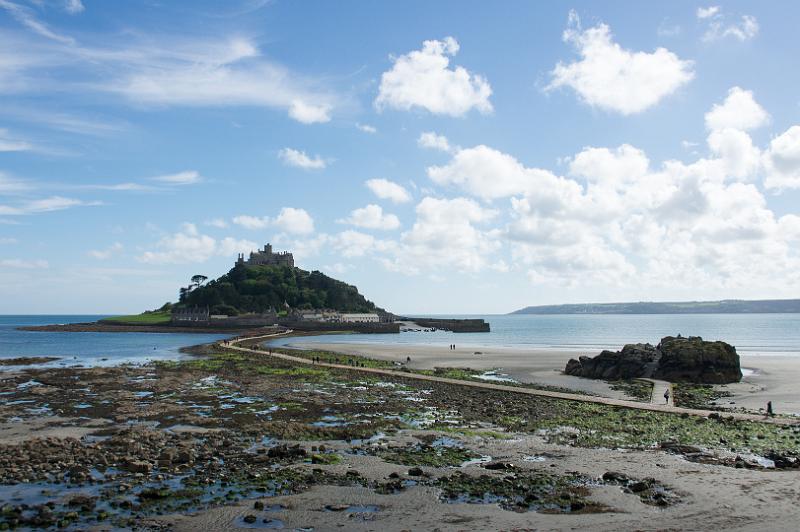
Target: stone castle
pixel 267 257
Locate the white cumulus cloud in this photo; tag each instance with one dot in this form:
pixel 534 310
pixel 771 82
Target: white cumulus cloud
pixel 372 217
pixel 251 222
pixel 423 79
pixel 294 221
pixel 385 189
pixel 740 110
pixel 434 141
pixel 707 12
pixel 307 113
pixel 190 246
pixel 782 161
pixel 290 220
pixel 719 27
pixel 299 159
pixel 366 128
pixel 491 174
pixel 613 78
pixel 447 234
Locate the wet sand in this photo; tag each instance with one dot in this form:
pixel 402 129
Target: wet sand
pixel 539 366
pixel 774 379
pixel 148 443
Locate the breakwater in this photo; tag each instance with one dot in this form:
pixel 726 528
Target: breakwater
pixel 453 325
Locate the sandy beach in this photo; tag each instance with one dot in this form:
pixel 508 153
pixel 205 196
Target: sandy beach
pixel 771 378
pixel 238 439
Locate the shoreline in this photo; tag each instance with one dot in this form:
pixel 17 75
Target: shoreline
pixel 773 379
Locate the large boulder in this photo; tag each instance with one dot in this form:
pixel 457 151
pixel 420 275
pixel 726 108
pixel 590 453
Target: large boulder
pixel 629 363
pixel 675 359
pixel 696 360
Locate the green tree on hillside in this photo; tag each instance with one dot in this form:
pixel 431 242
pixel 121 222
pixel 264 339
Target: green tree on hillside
pixel 260 288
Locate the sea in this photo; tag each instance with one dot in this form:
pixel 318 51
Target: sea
pixel 90 348
pixel 751 334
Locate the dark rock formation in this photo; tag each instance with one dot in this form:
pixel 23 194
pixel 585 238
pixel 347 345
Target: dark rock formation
pixel 633 361
pixel 695 360
pixel 675 359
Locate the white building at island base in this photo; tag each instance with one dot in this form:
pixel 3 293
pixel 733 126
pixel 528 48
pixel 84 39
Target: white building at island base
pixel 360 318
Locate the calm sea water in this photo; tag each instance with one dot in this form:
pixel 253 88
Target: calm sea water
pixel 90 349
pixel 752 334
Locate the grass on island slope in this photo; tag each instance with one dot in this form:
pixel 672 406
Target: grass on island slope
pixel 145 318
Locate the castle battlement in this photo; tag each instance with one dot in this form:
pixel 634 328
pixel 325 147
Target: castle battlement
pixel 267 257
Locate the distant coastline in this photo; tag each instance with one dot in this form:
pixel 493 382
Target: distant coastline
pixel 727 306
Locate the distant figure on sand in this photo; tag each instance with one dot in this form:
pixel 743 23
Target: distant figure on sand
pixel 770 413
pixel 408 360
pixel 666 396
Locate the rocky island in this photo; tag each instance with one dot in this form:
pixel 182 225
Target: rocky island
pixel 674 359
pixel 266 289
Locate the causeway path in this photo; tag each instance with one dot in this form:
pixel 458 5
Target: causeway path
pixel 652 406
pixel 659 389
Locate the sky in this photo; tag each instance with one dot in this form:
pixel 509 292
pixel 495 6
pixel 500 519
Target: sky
pixel 444 157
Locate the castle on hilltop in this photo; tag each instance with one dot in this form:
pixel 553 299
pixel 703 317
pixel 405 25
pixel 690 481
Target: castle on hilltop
pixel 267 257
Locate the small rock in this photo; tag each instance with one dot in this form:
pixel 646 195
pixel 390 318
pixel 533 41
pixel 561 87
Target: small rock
pixel 139 466
pixel 613 476
pixel 498 466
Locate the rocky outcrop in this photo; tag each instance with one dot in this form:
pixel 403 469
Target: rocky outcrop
pixel 674 359
pixel 629 363
pixel 695 360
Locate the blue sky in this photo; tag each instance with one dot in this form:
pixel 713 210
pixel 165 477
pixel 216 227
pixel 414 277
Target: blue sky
pixel 450 157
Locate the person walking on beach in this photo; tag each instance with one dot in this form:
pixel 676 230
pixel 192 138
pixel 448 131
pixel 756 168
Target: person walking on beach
pixel 770 413
pixel 666 396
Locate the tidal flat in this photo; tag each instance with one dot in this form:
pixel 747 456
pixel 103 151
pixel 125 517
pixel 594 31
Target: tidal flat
pixel 244 440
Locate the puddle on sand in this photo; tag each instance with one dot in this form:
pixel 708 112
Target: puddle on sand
pixel 28 384
pixel 361 441
pixel 495 376
pixel 331 421
pixel 475 461
pixel 262 446
pixel 446 441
